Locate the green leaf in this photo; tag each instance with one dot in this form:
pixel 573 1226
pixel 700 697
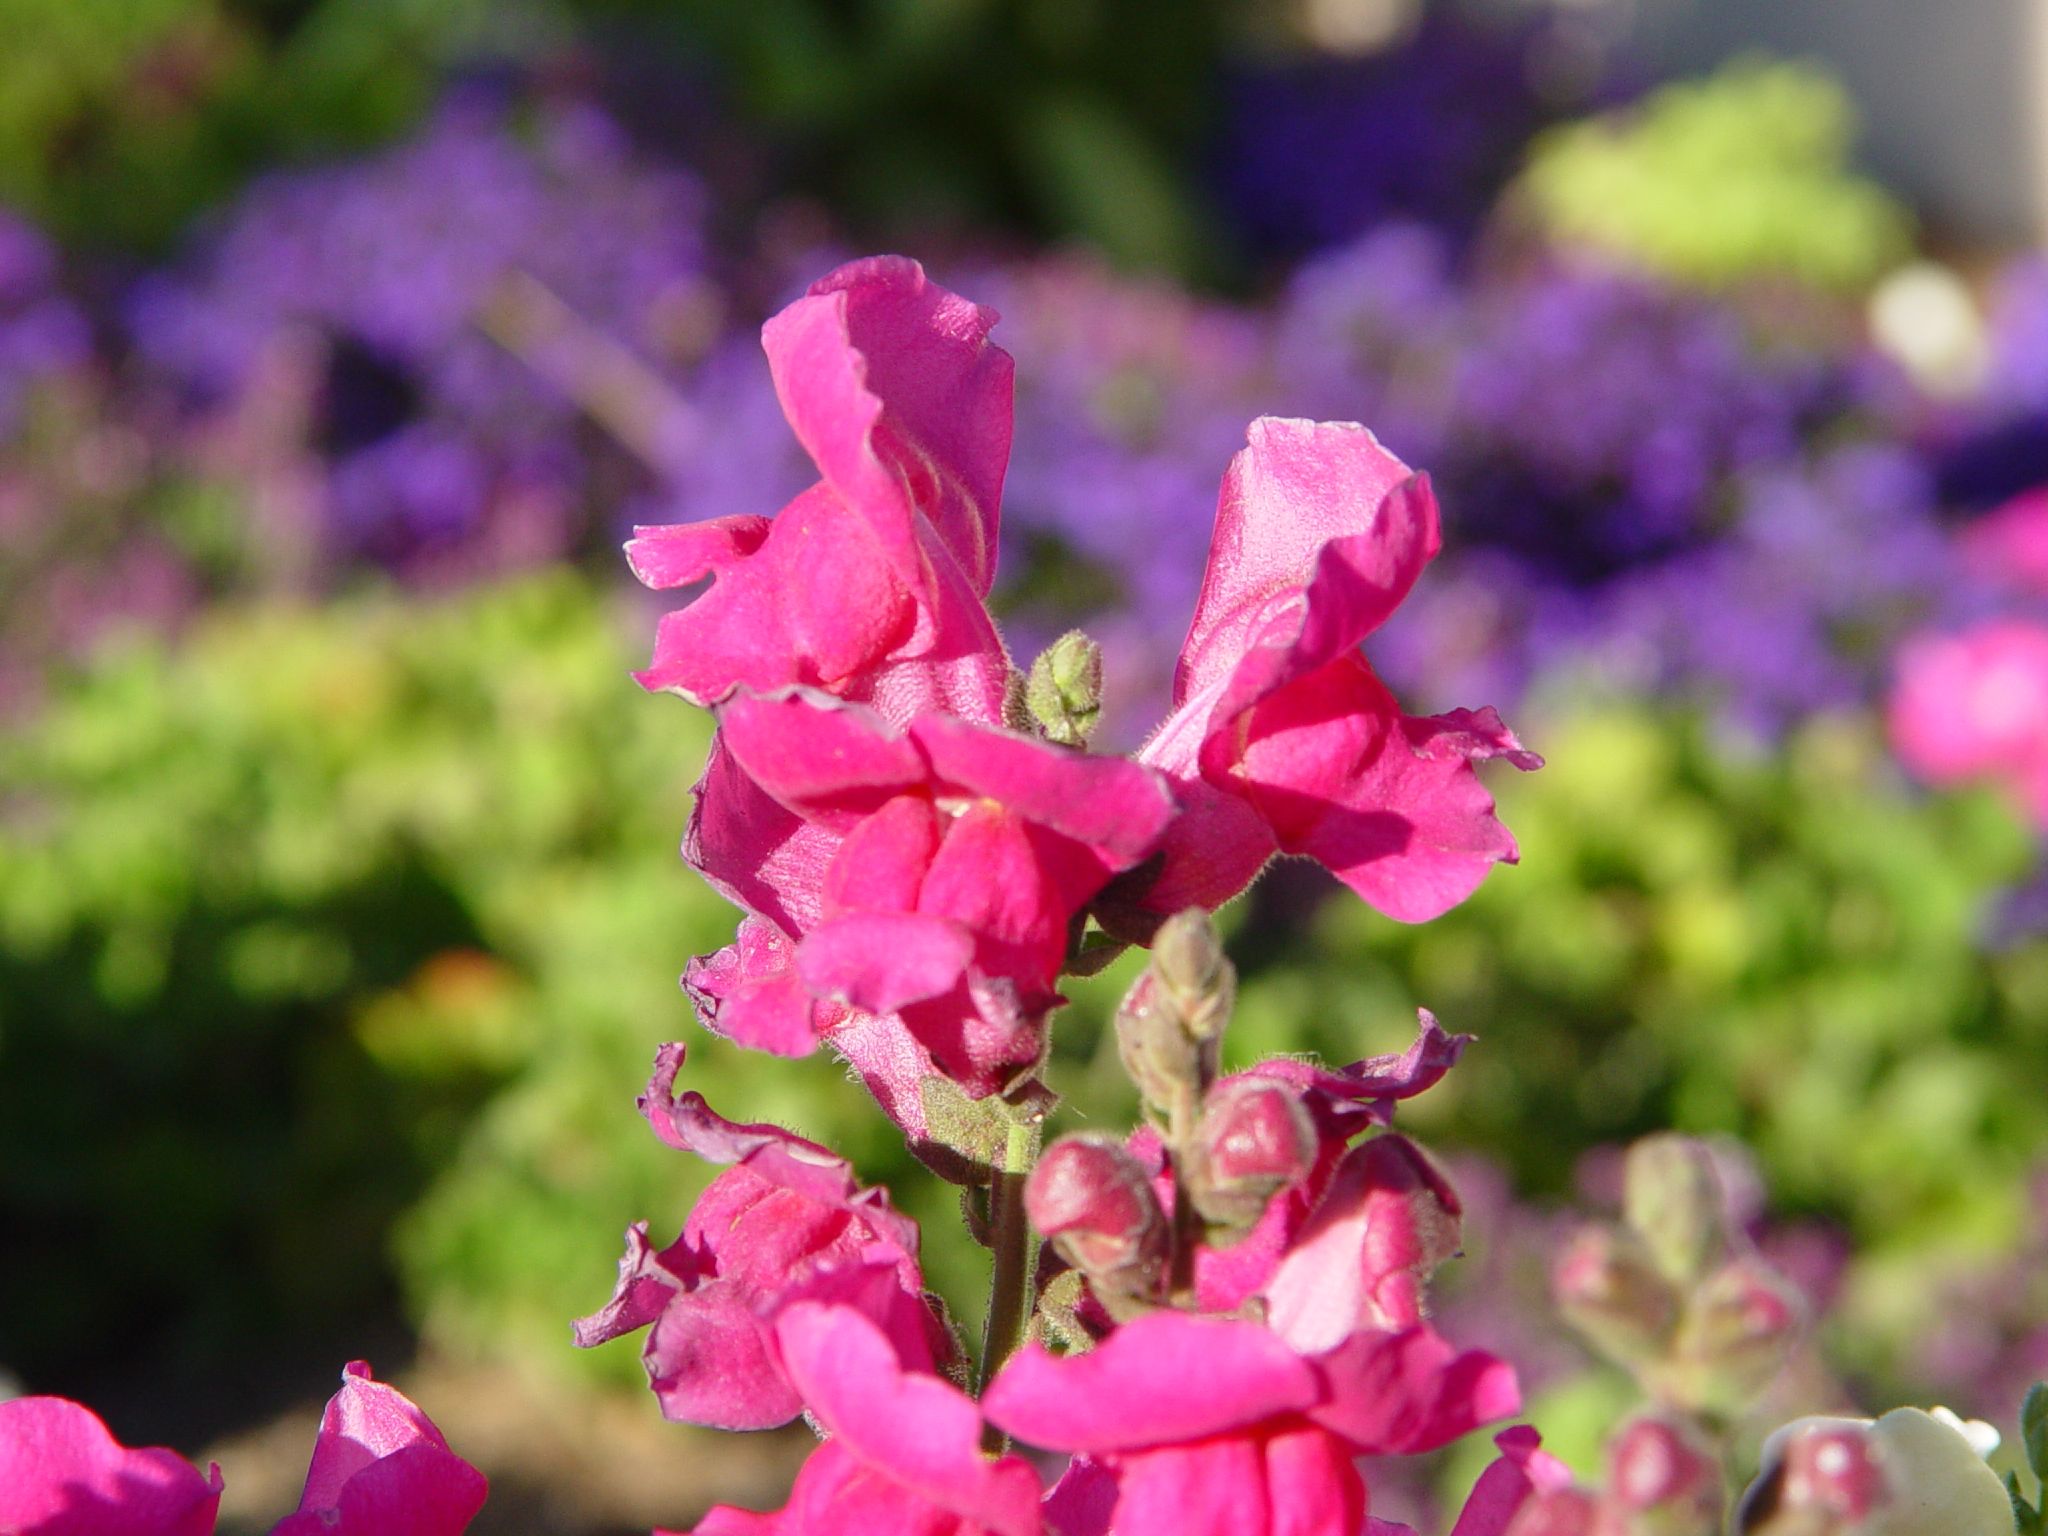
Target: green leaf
pixel 2034 1429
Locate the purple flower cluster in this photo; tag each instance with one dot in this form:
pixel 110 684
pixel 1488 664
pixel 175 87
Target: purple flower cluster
pixel 449 318
pixel 42 333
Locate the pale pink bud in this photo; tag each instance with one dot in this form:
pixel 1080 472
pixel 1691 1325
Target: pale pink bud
pixel 1664 1479
pixel 1608 1287
pixel 1094 1200
pixel 1737 1333
pixel 1561 1512
pixel 1254 1138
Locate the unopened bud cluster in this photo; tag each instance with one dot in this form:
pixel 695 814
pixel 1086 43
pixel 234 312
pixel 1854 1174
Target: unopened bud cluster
pixel 1228 1146
pixel 1672 1293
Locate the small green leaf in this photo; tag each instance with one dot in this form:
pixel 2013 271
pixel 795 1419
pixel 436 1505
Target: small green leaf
pixel 2034 1429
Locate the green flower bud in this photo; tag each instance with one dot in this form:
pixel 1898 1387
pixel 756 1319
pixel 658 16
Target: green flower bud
pixel 1064 691
pixel 1673 1198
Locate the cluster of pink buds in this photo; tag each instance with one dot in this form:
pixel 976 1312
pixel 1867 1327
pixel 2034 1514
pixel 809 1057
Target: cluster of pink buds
pixel 379 1468
pixel 1214 1316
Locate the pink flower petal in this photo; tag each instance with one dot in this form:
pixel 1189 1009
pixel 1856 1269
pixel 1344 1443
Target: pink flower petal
pixel 917 1430
pixel 1297 487
pixel 1521 1470
pixel 62 1473
pixel 381 1468
pixel 1166 1377
pixel 829 762
pixel 1400 1394
pixel 894 389
pixel 882 961
pixel 750 993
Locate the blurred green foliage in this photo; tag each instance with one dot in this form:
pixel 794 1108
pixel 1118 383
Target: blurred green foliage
pixel 1742 175
pixel 325 914
pixel 121 118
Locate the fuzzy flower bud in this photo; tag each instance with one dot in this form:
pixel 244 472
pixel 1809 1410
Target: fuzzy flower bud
pixel 1170 1025
pixel 1663 1480
pixel 1673 1198
pixel 1607 1285
pixel 1064 690
pixel 1906 1474
pixel 1093 1199
pixel 1738 1330
pixel 1254 1138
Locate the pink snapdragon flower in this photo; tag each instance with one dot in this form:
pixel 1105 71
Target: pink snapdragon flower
pixel 1220 1427
pixel 870 584
pixel 62 1473
pixel 1974 706
pixel 903 1457
pixel 1282 739
pixel 787 1220
pixel 931 873
pixel 379 1468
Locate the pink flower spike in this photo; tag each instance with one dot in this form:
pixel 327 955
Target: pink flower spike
pixel 62 1473
pixel 1974 705
pixel 2008 546
pixel 905 1449
pixel 381 1468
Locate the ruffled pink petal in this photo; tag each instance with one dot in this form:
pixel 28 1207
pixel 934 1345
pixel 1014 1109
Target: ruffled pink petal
pixel 1400 1394
pixel 880 962
pixel 893 387
pixel 1216 1487
pixel 758 854
pixel 1295 489
pixel 827 761
pixel 1083 1500
pixel 1110 805
pixel 1347 1100
pixel 1388 803
pixel 882 865
pixel 62 1473
pixel 1316 1488
pixel 1165 1377
pixel 805 599
pixel 919 1431
pixel 1386 1221
pixel 381 1468
pixel 1522 1470
pixel 647 1281
pixel 750 993
pixel 709 1360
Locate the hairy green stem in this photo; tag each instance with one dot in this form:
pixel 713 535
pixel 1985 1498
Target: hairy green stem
pixel 1010 1298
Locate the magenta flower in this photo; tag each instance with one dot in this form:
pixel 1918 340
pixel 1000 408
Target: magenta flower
pixel 2008 546
pixel 786 1221
pixel 931 874
pixel 1974 706
pixel 1219 1427
pixel 1282 739
pixel 62 1473
pixel 381 1468
pixel 871 583
pixel 904 1454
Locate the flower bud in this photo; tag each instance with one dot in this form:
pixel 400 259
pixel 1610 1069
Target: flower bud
pixel 1737 1332
pixel 1170 1025
pixel 1673 1198
pixel 1663 1480
pixel 1907 1474
pixel 1064 690
pixel 1254 1138
pixel 1094 1200
pixel 1608 1287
